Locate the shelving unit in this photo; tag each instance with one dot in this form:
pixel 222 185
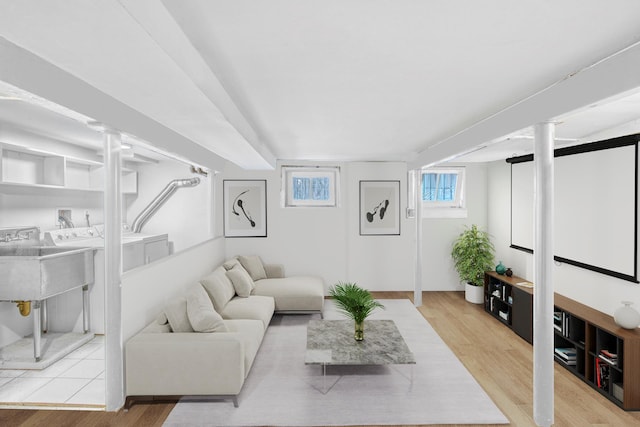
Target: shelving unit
pixel 28 171
pixel 510 303
pixel 587 342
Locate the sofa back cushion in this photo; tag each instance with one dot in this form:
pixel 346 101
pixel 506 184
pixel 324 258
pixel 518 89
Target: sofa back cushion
pixel 176 312
pixel 202 316
pixel 254 266
pixel 241 281
pixel 219 288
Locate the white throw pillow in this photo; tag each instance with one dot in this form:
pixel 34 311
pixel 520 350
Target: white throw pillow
pixel 176 312
pixel 254 266
pixel 202 316
pixel 241 281
pixel 219 288
pixel 228 265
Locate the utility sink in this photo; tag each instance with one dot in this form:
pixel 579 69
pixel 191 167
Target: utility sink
pixel 35 273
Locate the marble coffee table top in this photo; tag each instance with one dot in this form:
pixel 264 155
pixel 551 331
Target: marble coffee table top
pixel 331 342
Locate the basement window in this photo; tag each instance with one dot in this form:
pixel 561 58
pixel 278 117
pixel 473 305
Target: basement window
pixel 304 186
pixel 442 192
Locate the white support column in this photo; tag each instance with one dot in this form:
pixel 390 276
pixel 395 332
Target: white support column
pixel 543 362
pixel 213 190
pixel 114 362
pixel 417 293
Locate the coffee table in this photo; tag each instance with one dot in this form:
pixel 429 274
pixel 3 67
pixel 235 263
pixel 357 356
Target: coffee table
pixel 331 342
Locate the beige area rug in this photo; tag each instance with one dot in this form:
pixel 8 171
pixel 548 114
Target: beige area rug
pixel 282 391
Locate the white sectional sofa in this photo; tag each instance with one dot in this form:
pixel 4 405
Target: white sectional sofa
pixel 205 342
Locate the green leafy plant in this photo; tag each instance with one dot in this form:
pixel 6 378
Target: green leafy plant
pixel 473 254
pixel 356 302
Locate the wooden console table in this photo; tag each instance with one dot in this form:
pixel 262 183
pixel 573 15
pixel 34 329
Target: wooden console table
pixel 588 342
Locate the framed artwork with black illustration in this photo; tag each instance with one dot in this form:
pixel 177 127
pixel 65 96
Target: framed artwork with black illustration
pixel 245 208
pixel 379 208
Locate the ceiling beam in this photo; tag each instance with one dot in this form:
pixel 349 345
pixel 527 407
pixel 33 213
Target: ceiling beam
pixel 29 72
pixel 607 78
pixel 163 28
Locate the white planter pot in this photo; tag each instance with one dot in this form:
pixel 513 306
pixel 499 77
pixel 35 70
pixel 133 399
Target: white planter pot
pixel 474 294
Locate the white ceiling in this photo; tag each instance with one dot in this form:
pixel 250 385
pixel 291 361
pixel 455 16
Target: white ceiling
pixel 255 81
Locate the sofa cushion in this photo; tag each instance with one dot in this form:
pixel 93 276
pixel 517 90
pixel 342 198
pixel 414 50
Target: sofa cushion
pixel 274 271
pixel 253 307
pixel 228 265
pixel 176 312
pixel 219 288
pixel 254 266
pixel 295 293
pixel 241 281
pixel 202 316
pixel 250 332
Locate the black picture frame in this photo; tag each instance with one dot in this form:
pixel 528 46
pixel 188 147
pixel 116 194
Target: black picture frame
pixel 379 208
pixel 245 207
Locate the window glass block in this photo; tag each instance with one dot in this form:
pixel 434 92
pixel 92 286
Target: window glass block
pixel 320 188
pixel 301 188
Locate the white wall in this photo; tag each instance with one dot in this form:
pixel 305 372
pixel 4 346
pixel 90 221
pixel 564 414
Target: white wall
pixel 601 292
pixel 438 234
pixel 185 215
pixel 327 241
pixel 379 263
pixel 147 289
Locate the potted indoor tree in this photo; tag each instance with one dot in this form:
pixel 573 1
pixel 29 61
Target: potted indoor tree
pixel 356 302
pixel 473 254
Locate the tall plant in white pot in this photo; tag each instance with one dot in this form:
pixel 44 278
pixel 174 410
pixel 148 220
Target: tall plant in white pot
pixel 473 254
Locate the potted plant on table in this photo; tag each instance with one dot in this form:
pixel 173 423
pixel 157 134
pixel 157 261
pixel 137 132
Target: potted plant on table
pixel 473 254
pixel 356 302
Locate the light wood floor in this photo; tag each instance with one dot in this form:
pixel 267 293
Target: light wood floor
pixel 499 360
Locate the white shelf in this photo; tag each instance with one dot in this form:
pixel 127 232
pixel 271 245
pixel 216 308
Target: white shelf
pixel 25 171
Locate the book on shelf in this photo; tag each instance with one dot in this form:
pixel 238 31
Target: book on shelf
pixel 561 322
pixel 566 362
pixel 557 321
pixel 602 374
pixel 613 362
pixel 608 354
pixel 565 324
pixel 566 353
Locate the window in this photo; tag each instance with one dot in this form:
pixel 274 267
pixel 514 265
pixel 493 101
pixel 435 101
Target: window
pixel 309 186
pixel 443 192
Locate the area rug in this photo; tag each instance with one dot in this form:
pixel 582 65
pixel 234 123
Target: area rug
pixel 282 391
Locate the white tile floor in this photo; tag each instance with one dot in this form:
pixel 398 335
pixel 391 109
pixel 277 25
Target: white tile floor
pixel 75 380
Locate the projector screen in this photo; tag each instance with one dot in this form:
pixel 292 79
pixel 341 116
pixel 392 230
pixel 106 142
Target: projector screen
pixel 595 206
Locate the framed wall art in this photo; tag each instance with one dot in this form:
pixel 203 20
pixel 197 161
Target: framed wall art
pixel 379 208
pixel 245 208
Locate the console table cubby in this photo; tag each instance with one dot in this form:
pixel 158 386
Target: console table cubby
pixel 587 342
pixel 502 294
